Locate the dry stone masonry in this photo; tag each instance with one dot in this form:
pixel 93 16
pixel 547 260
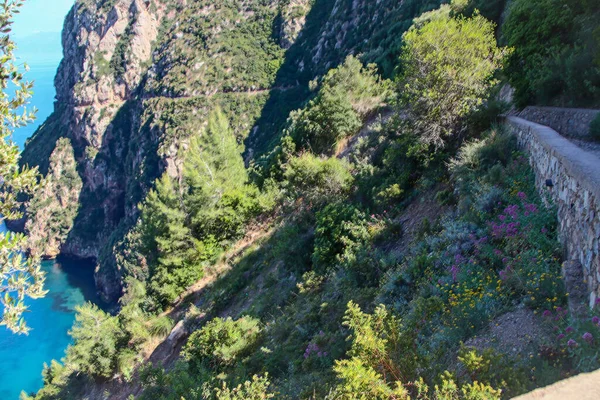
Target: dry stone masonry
pixel 570 176
pixel 571 122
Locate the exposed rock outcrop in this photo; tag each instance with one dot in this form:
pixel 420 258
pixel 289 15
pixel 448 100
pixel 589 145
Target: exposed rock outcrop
pixel 55 206
pixel 139 78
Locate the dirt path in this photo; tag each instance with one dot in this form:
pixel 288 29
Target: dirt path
pixel 580 387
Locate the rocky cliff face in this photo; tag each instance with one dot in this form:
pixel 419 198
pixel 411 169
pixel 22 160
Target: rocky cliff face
pixel 139 78
pixel 106 48
pixel 54 207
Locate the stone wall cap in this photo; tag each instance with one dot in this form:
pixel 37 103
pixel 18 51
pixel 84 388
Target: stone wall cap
pixel 581 165
pixel 561 109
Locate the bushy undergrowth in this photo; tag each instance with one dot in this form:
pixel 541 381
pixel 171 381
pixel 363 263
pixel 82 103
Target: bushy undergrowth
pixel 557 52
pixel 333 297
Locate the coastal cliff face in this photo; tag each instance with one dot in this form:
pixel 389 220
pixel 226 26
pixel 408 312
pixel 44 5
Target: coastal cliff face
pixel 54 208
pixel 106 48
pixel 139 78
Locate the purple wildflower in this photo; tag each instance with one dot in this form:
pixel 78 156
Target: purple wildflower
pixel 569 329
pixel 560 337
pixel 588 337
pixel 454 270
pixel 547 313
pixel 572 343
pixel 522 195
pixel 596 320
pixel 513 211
pixel 311 348
pixel 532 208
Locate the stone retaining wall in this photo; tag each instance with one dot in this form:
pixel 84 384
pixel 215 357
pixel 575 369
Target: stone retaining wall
pixel 575 175
pixel 572 122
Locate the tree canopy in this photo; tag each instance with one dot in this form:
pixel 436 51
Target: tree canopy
pixel 448 66
pixel 21 276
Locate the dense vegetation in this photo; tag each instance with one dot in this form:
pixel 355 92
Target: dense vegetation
pixel 20 276
pixel 53 214
pixel 557 51
pixel 379 234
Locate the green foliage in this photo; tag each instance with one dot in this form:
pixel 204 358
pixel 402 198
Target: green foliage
pixel 324 122
pixel 257 389
pixel 97 337
pixel 213 166
pixel 490 9
pixel 348 94
pixel 175 385
pixel 375 370
pixel 222 342
pixel 103 67
pixel 448 65
pixel 321 251
pixel 341 231
pixel 556 55
pixel 492 368
pixel 595 128
pixel 119 59
pixel 176 255
pixel 52 211
pixel 21 277
pixel 236 45
pixel 317 180
pixel 183 227
pixel 219 200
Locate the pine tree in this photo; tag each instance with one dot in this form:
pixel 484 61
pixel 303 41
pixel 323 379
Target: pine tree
pixel 97 336
pixel 174 255
pixel 215 176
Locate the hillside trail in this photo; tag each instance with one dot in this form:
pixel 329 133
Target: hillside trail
pixel 580 387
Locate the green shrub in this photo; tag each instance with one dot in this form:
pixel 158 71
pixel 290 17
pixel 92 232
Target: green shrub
pixel 222 342
pixel 341 231
pixel 179 383
pixel 448 65
pixel 381 363
pixel 97 339
pixel 492 368
pixel 490 9
pixel 257 389
pixel 348 94
pixel 555 52
pixel 326 120
pixel 445 197
pixel 161 326
pixel 317 180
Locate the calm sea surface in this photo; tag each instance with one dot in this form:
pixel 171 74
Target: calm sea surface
pixel 70 283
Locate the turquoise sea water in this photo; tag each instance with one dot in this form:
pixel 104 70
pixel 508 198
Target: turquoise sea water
pixel 70 283
pixel 42 52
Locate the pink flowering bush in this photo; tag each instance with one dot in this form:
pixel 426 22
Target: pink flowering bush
pixel 500 252
pixel 577 340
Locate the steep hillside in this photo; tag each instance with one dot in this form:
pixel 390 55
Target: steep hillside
pixel 139 78
pixel 302 200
